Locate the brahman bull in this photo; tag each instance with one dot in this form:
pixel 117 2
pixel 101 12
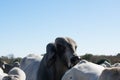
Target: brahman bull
pixel 60 57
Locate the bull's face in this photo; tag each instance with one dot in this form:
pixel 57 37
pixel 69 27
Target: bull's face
pixel 66 49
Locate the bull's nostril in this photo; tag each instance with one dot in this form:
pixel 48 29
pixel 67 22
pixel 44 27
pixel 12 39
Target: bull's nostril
pixel 75 60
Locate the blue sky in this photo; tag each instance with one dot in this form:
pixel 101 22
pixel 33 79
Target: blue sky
pixel 27 26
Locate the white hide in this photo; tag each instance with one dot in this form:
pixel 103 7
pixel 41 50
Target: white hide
pixel 26 61
pixel 2 74
pixel 84 71
pixel 106 64
pixel 15 74
pixel 110 74
pixel 116 65
pixel 30 65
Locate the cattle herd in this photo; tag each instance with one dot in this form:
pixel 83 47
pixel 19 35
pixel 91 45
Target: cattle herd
pixel 60 62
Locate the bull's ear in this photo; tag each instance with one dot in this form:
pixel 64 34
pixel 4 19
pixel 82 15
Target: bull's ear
pixel 51 54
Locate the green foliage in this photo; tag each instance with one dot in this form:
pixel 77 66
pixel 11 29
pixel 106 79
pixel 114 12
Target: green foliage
pixel 100 58
pixel 92 58
pixel 87 56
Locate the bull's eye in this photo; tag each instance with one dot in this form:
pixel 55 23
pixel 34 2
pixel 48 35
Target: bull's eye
pixel 75 47
pixel 71 78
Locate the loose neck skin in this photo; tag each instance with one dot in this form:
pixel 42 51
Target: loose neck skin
pixel 60 69
pixel 54 72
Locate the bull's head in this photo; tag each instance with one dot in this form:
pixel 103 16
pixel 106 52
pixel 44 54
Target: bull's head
pixel 65 49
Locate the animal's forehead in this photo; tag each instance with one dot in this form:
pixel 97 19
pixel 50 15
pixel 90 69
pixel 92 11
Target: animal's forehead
pixel 70 41
pixel 66 41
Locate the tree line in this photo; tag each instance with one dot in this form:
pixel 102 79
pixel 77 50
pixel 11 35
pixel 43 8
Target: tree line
pixel 101 58
pixel 90 57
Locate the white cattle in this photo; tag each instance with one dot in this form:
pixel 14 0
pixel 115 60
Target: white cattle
pixel 84 71
pixel 7 67
pixel 116 65
pixel 2 74
pixel 29 65
pixel 16 64
pixel 15 74
pixel 1 71
pixel 26 61
pixel 110 74
pixel 106 64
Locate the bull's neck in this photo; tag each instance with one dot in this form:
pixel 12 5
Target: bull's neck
pixel 60 69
